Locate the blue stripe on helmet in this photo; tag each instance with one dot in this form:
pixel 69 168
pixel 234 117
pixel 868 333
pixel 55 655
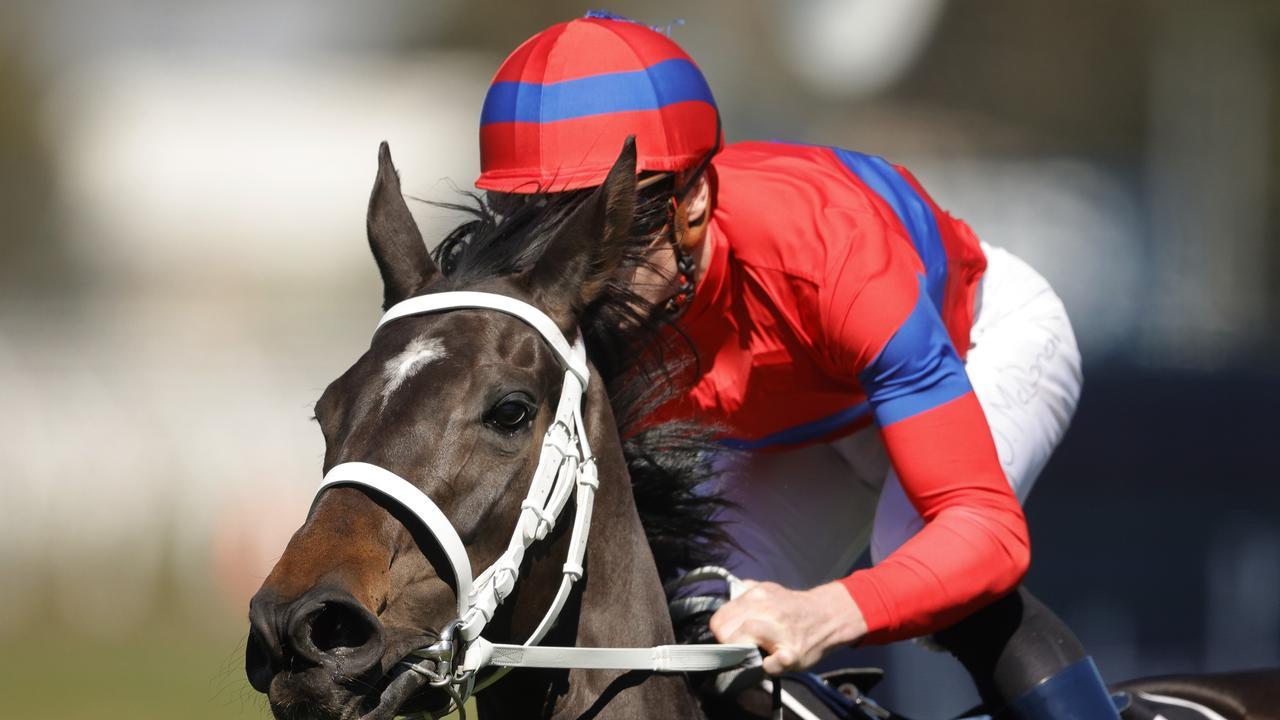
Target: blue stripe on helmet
pixel 913 212
pixel 659 85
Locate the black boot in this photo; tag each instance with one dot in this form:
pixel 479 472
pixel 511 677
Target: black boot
pixel 1027 662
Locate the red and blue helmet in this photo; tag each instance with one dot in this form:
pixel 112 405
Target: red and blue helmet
pixel 561 105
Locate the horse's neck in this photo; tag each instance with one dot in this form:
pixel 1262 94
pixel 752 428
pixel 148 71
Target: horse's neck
pixel 623 589
pixel 622 604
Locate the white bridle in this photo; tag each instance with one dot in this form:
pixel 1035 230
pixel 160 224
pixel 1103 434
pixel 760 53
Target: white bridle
pixel 565 467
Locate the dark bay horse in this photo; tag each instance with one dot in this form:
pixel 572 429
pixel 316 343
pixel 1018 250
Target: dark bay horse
pixel 457 403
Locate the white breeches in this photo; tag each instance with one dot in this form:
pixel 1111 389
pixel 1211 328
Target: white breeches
pixel 803 517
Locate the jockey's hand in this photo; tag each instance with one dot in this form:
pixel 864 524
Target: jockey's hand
pixel 794 628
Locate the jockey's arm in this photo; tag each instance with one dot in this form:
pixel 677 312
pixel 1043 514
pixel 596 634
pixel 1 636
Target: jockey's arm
pixel 974 546
pixel 877 321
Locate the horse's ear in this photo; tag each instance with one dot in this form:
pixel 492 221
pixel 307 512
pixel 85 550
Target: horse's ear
pixel 579 262
pixel 394 237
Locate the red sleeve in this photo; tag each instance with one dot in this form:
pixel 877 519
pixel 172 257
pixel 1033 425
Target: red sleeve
pixel 974 546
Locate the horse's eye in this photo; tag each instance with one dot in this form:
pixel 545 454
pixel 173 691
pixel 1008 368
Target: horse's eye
pixel 510 415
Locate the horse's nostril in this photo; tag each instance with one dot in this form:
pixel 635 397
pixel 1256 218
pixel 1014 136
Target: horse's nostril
pixel 330 627
pixel 337 627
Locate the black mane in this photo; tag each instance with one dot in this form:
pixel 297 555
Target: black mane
pixel 639 363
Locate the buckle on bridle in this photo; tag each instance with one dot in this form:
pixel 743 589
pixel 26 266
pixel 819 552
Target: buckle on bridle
pixel 449 654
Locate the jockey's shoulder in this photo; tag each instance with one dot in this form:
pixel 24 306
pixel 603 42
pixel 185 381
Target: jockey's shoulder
pixel 796 209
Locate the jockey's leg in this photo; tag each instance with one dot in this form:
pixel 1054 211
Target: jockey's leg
pixel 1024 659
pixel 800 517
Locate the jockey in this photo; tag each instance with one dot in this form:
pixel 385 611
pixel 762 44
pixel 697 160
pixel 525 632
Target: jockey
pixel 893 381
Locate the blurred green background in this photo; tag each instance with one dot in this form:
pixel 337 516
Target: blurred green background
pixel 183 269
pixel 165 671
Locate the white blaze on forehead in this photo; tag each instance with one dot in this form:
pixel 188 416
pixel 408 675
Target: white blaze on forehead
pixel 420 352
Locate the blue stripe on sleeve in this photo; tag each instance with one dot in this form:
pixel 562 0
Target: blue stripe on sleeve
pixel 804 432
pixel 659 85
pixel 917 370
pixel 913 212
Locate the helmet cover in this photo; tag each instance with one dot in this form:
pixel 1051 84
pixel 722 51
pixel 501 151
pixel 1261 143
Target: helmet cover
pixel 561 105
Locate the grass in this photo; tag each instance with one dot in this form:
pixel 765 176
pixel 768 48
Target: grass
pixel 166 672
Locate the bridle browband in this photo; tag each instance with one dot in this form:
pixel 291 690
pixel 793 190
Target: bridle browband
pixel 565 467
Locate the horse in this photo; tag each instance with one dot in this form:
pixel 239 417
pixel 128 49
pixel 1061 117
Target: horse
pixel 456 403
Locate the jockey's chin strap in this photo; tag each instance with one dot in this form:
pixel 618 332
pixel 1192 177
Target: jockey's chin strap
pixel 565 467
pixel 685 267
